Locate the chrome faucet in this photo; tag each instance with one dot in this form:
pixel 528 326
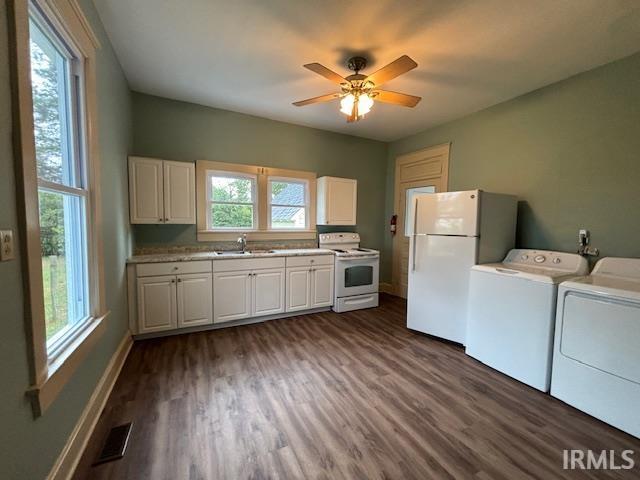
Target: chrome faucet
pixel 584 249
pixel 242 240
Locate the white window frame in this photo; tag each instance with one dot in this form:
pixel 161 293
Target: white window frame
pixel 53 365
pixel 262 230
pixel 254 197
pixel 306 205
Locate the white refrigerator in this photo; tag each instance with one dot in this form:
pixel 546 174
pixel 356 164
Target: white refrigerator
pixel 450 233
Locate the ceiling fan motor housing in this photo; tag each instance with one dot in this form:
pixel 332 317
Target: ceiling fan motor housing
pixel 357 63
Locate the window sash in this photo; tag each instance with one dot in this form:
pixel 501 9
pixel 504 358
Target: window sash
pixel 211 202
pixel 74 177
pixel 270 205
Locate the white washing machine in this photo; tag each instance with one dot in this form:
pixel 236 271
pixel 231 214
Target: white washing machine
pixel 511 314
pixel 596 363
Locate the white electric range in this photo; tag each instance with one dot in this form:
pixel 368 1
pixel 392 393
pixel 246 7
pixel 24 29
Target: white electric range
pixel 356 271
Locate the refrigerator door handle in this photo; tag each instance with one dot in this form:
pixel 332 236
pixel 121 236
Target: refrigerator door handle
pixel 413 254
pixel 415 233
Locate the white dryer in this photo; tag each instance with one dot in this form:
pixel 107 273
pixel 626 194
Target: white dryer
pixel 511 314
pixel 596 364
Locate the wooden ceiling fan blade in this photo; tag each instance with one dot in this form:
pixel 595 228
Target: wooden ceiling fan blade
pixel 322 98
pixel 393 70
pixel 325 72
pixel 396 98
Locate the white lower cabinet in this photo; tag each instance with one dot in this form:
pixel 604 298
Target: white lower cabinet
pixel 175 295
pixel 309 287
pixel 167 302
pixel 322 286
pixel 194 299
pixel 231 296
pixel 157 304
pixel 268 292
pixel 298 288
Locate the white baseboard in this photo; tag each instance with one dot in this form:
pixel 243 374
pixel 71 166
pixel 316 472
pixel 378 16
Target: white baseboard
pixel 70 456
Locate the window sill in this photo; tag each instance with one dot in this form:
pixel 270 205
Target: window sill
pixel 217 236
pixel 61 369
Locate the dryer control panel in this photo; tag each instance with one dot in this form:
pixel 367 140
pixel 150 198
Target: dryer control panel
pixel 569 262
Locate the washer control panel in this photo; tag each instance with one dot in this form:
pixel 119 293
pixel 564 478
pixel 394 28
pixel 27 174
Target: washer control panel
pixel 569 262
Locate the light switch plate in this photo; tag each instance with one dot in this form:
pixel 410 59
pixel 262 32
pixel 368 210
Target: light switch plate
pixel 6 245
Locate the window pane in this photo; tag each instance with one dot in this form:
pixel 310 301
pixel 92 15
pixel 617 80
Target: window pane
pixel 50 82
pixel 288 217
pixel 228 189
pixel 231 216
pixel 64 260
pixel 287 193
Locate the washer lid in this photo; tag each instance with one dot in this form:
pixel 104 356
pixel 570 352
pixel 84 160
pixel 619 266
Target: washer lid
pixel 526 272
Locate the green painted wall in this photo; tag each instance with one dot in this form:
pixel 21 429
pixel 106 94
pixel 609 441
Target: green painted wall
pixel 183 131
pixel 28 447
pixel 570 151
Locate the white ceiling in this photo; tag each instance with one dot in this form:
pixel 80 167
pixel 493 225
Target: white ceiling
pixel 247 55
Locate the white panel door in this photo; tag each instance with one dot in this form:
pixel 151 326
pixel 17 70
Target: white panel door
pixel 231 296
pixel 447 213
pixel 322 287
pixel 145 190
pixel 298 289
pixel 194 299
pixel 438 291
pixel 268 291
pixel 341 198
pixel 179 192
pixel 156 303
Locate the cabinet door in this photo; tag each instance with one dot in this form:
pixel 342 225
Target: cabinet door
pixel 179 192
pixel 195 299
pixel 145 190
pixel 268 291
pixel 341 198
pixel 156 303
pixel 231 296
pixel 322 287
pixel 298 289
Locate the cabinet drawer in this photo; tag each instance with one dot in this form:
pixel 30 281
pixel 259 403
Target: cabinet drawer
pixel 309 260
pixel 233 264
pixel 172 268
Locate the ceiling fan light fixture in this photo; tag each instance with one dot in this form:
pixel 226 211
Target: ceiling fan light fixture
pixel 365 102
pixel 346 104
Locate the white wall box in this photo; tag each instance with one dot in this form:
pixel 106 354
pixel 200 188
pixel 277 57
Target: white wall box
pixel 337 201
pixel 161 191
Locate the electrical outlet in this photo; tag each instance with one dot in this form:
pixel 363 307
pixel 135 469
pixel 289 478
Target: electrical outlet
pixel 6 245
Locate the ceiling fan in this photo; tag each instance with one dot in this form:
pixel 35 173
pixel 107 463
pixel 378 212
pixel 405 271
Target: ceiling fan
pixel 359 91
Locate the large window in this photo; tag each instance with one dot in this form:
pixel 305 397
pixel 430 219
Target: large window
pixel 56 79
pixel 288 204
pixel 232 201
pixel 267 203
pixel 57 160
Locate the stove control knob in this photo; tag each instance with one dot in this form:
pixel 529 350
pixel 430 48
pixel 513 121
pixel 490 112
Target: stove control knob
pixel 525 257
pixel 539 259
pixel 556 260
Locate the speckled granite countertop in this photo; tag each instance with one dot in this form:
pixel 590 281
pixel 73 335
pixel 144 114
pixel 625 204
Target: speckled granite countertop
pixel 192 256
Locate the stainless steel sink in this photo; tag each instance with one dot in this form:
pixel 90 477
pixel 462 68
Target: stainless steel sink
pixel 261 251
pixel 232 252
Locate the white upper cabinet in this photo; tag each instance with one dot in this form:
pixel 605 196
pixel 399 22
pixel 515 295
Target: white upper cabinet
pixel 161 191
pixel 337 201
pixel 179 192
pixel 145 190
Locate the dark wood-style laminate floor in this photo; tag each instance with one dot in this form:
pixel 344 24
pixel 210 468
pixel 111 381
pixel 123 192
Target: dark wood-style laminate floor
pixel 354 395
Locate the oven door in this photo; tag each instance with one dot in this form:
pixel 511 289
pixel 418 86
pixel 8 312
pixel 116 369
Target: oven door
pixel 356 276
